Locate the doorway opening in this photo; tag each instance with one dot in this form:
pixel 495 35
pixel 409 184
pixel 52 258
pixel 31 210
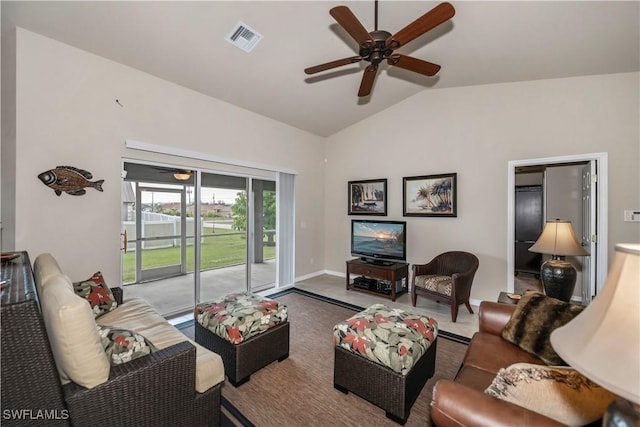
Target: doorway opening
pixel 570 188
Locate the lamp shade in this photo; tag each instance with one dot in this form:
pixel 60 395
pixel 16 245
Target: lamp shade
pixel 603 342
pixel 558 238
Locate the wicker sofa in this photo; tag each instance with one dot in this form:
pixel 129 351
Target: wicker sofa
pixel 178 385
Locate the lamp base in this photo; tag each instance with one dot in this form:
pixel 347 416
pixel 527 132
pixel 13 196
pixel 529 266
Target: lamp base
pixel 621 413
pixel 558 278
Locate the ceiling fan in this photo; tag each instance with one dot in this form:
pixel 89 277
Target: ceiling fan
pixel 378 45
pixel 178 174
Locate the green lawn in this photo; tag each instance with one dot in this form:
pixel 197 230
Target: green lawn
pixel 222 249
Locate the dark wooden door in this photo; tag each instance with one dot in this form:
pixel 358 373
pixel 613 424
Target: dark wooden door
pixel 528 223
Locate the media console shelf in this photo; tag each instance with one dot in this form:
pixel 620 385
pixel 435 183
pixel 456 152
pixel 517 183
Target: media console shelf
pixel 392 273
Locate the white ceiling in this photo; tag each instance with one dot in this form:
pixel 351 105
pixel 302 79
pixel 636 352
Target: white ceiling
pixel 484 43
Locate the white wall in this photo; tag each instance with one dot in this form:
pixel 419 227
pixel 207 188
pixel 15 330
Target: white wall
pixel 474 131
pixel 67 115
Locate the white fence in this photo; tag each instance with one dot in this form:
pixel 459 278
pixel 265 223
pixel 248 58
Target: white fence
pixel 159 225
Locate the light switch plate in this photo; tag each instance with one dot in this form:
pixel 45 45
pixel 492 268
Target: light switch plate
pixel 631 216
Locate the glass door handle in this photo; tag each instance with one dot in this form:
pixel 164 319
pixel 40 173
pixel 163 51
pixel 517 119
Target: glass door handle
pixel 125 241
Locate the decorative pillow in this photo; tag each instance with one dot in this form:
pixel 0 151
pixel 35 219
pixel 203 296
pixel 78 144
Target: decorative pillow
pixel 532 322
pixel 558 392
pixel 123 345
pixel 96 291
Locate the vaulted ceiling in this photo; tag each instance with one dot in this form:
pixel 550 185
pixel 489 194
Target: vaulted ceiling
pixel 485 43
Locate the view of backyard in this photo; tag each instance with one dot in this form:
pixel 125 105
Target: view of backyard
pixel 220 248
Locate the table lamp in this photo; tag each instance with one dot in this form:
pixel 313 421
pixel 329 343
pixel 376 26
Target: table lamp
pixel 557 274
pixel 603 342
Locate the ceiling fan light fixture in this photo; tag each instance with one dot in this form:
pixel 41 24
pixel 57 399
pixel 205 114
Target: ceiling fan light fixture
pixel 378 45
pixel 182 176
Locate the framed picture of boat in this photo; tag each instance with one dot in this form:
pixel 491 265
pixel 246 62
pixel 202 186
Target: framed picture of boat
pixel 368 197
pixel 430 195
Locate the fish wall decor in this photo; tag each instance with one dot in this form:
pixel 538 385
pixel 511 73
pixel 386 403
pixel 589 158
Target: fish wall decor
pixel 69 180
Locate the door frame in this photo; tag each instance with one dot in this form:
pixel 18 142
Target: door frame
pixel 167 271
pixel 601 211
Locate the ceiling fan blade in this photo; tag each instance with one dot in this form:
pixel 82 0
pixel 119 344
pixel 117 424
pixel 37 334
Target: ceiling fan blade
pixel 431 19
pixel 348 21
pixel 367 80
pixel 332 64
pixel 413 64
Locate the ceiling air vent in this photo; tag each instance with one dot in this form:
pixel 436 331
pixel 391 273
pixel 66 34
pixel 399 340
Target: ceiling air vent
pixel 244 37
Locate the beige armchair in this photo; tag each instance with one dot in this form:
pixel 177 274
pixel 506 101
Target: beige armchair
pixel 447 278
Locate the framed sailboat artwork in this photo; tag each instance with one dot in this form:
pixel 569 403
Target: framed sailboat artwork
pixel 368 197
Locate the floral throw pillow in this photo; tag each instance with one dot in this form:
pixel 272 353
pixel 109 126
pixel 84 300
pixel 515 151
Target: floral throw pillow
pixel 122 345
pixel 96 291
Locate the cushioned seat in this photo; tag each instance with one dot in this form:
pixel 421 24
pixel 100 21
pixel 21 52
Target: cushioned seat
pixel 248 331
pixel 121 355
pixel 385 356
pixel 239 316
pixel 502 353
pixel 136 315
pixel 390 337
pixel 446 278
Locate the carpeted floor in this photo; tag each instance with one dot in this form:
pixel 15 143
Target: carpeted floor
pixel 299 390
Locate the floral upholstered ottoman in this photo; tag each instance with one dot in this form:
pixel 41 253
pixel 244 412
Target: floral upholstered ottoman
pixel 248 331
pixel 385 356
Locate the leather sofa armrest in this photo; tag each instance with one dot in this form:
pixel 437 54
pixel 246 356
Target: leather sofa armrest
pixel 493 316
pixel 456 405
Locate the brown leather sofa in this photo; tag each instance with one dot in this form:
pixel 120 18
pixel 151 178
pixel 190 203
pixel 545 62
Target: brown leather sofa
pixel 462 402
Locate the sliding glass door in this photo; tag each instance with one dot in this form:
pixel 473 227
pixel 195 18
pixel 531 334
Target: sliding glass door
pixel 263 254
pixel 160 245
pixel 223 254
pixel 227 223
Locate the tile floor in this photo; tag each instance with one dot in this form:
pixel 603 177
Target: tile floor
pixel 335 287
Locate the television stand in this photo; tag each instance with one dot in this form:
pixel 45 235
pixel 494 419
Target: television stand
pixel 391 273
pixel 377 262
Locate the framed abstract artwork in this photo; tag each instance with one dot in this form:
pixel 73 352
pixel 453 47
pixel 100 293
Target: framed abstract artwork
pixel 430 195
pixel 367 197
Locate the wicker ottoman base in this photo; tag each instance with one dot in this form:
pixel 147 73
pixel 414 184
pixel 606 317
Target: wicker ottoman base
pixel 241 360
pixel 389 390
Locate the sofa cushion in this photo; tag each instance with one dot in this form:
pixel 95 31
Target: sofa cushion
pixel 122 345
pixel 44 267
pixel 557 392
pixel 96 291
pixel 532 322
pixel 475 378
pixel 137 315
pixel 136 311
pixel 491 353
pixel 73 336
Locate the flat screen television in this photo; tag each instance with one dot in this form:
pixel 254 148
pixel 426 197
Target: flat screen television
pixel 379 242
